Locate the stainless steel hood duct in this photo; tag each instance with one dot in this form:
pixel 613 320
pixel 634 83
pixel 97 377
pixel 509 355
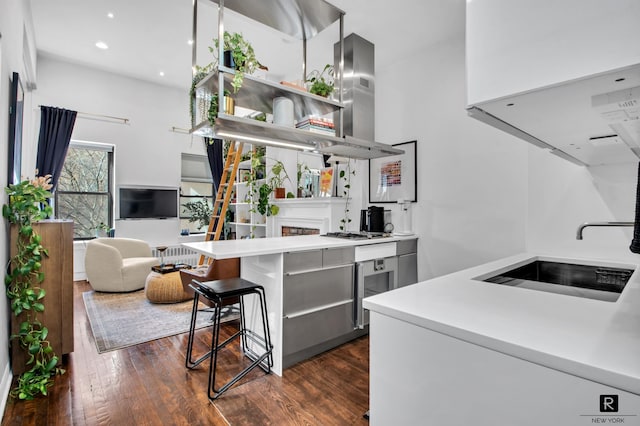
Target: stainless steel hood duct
pixel 358 86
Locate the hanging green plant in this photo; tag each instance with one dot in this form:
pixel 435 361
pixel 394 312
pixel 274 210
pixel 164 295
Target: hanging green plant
pixel 345 176
pixel 200 74
pixel 28 203
pixel 212 114
pixel 242 54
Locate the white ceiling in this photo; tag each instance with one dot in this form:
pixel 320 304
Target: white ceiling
pixel 146 37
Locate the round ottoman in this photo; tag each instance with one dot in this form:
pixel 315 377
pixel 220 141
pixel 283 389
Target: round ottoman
pixel 165 288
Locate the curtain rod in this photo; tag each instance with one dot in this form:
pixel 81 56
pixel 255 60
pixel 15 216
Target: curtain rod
pixel 179 130
pixel 92 116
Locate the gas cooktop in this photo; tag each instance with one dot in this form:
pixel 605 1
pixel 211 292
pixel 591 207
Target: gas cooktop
pixel 355 236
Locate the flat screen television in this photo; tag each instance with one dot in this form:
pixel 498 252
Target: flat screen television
pixel 148 203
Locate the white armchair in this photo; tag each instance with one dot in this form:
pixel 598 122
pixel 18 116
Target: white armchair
pixel 118 264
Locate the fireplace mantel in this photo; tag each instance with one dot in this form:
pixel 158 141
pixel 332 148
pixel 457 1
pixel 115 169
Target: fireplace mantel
pixel 319 213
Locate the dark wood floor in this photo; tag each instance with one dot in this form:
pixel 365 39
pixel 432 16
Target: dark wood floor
pixel 148 384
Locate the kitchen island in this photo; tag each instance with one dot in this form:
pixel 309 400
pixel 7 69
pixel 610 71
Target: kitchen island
pixel 457 350
pixel 309 285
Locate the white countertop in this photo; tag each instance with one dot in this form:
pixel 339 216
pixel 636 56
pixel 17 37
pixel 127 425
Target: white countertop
pixel 592 339
pixel 225 249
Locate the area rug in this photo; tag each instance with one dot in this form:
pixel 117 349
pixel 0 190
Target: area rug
pixel 119 320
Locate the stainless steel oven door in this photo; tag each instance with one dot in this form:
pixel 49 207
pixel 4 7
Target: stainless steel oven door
pixel 373 277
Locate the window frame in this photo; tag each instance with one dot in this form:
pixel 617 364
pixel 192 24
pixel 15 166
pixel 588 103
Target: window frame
pixel 96 146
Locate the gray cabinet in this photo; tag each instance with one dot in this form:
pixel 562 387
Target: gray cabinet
pixel 318 300
pixel 407 253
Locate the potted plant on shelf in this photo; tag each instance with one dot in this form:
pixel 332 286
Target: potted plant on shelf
pixel 240 57
pixel 28 204
pixel 278 176
pixel 321 83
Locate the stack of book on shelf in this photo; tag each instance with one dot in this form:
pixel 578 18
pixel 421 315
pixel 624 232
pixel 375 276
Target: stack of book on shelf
pixel 317 124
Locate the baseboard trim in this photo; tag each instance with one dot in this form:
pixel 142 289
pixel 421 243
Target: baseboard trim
pixel 5 387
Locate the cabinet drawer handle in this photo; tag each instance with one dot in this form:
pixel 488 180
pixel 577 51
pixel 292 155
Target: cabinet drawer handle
pixel 316 309
pixel 291 274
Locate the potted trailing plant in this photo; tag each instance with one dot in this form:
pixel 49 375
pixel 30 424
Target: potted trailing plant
pixel 321 82
pixel 241 57
pixel 278 176
pixel 28 203
pixel 199 211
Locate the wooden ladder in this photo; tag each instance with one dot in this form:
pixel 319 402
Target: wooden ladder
pixel 223 195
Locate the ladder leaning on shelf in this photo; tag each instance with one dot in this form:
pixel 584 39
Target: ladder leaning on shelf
pixel 223 195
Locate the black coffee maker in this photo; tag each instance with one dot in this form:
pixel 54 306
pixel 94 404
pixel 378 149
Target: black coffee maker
pixel 372 220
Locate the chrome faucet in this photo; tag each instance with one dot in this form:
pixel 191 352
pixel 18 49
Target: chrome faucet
pixel 586 224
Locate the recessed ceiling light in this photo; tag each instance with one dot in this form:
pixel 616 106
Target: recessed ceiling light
pixel 161 73
pixel 190 42
pixel 110 15
pixel 102 45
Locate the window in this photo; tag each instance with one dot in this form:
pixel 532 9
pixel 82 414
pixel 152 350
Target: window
pixel 196 188
pixel 85 188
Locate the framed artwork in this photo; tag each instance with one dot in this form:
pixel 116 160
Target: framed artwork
pixel 16 109
pixel 394 178
pixel 326 182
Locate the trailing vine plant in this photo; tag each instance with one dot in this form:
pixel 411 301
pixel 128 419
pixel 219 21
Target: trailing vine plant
pixel 345 175
pixel 199 75
pixel 27 205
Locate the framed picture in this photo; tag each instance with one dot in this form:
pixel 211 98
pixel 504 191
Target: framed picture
pixel 326 182
pixel 394 178
pixel 16 109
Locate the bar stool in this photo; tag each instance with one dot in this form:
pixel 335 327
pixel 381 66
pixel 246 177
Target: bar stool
pixel 215 294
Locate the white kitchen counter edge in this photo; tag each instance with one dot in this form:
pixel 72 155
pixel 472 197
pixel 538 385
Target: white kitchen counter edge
pixel 225 249
pixel 598 341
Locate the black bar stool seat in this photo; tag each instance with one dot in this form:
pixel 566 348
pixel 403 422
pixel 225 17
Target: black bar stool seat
pixel 216 294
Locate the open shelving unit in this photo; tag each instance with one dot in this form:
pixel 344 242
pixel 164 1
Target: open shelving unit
pixel 247 223
pixel 302 19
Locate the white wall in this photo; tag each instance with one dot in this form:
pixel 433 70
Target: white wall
pixel 14 21
pixel 146 152
pixel 563 195
pixel 472 179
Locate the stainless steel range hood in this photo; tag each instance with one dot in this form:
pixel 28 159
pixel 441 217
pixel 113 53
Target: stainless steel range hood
pixel 591 121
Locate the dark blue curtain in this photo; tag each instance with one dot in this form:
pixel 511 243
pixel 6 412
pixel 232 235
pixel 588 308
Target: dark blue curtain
pixel 56 125
pixel 216 163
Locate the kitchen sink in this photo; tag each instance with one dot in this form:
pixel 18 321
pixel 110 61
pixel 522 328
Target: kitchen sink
pixel 593 282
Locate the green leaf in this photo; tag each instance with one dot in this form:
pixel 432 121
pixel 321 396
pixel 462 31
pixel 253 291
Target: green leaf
pixel 38 307
pixel 52 363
